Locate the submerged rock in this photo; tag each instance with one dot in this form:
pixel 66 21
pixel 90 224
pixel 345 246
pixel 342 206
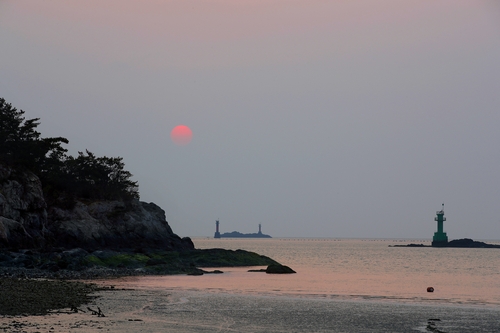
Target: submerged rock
pixel 279 269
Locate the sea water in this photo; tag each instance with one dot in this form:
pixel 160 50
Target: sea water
pixel 341 285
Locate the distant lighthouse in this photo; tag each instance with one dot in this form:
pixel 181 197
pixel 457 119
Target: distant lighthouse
pixel 440 238
pixel 217 233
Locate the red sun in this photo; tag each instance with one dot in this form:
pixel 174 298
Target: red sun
pixel 181 135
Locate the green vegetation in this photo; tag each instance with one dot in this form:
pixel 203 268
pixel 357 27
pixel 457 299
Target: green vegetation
pixel 64 177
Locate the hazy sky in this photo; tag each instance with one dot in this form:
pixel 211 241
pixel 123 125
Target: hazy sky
pixel 315 118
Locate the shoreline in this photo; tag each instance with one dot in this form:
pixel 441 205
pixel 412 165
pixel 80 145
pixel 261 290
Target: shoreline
pixel 156 283
pixel 182 311
pixel 41 296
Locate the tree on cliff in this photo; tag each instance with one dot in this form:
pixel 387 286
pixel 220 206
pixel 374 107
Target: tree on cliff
pixel 100 177
pixel 86 175
pixel 20 143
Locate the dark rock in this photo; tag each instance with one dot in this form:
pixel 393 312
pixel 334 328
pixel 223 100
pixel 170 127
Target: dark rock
pixel 216 271
pixel 62 264
pixel 258 270
pixel 225 258
pixel 467 242
pixel 410 245
pixel 50 266
pixel 23 215
pixel 156 261
pixel 114 225
pixel 75 253
pixel 188 243
pixel 104 254
pixel 460 243
pixel 279 269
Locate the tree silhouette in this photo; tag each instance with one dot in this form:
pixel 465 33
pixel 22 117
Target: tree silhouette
pixel 85 176
pixel 101 177
pixel 20 142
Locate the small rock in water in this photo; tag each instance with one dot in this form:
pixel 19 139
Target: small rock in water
pixel 279 269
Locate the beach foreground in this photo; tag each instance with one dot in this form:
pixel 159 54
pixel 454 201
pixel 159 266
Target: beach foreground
pixel 39 297
pixel 164 310
pixel 340 286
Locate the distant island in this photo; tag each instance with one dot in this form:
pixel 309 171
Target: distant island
pixel 440 238
pixel 236 234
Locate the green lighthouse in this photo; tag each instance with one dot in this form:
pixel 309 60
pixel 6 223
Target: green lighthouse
pixel 440 238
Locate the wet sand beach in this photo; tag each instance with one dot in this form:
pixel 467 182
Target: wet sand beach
pixel 35 296
pixel 163 310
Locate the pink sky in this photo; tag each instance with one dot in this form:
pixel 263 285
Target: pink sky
pixel 208 34
pixel 350 118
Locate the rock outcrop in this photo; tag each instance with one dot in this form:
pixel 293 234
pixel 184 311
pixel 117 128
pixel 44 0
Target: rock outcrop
pixel 27 222
pixel 114 225
pixel 23 214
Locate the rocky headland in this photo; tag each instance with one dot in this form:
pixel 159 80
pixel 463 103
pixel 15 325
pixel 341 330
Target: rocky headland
pixel 94 238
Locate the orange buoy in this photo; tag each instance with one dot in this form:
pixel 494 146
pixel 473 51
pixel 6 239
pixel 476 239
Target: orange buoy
pixel 430 289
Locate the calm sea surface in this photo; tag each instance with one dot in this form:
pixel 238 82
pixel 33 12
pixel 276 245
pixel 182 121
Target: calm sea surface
pixel 345 285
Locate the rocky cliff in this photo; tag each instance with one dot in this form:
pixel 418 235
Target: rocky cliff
pixel 23 211
pixel 26 221
pixel 114 225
